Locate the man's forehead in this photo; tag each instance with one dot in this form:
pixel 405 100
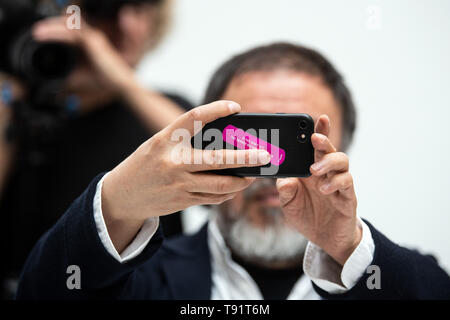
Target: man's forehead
pixel 288 92
pixel 281 91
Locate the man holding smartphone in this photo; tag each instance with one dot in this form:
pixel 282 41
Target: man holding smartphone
pixel 268 242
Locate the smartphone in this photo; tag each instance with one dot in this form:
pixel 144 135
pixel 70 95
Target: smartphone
pixel 286 136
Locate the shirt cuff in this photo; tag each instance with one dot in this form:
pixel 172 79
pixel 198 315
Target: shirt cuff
pixel 329 275
pixel 141 240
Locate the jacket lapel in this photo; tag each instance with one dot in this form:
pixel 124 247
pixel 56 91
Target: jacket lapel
pixel 187 266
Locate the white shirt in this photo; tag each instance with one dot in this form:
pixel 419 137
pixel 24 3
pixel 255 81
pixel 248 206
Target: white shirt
pixel 231 281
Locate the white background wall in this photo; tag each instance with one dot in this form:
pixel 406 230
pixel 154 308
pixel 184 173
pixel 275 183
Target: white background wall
pixel 398 68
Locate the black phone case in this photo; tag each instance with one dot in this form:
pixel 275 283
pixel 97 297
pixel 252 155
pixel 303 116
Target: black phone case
pixel 298 150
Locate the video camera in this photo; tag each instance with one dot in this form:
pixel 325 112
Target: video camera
pixel 29 60
pixel 42 67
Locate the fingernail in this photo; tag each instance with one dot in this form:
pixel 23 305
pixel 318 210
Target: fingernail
pixel 263 156
pixel 318 166
pixel 325 187
pixel 234 107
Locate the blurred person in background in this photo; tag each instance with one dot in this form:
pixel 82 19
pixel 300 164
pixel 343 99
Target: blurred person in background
pixel 47 161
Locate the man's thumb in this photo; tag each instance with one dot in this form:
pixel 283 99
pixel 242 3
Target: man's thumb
pixel 287 189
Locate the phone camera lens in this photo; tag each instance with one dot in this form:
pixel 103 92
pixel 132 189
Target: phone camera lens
pixel 303 124
pixel 301 138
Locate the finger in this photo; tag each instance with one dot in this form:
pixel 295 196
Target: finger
pixel 320 140
pixel 323 125
pixel 52 33
pixel 216 184
pixel 322 146
pixel 336 162
pixel 50 21
pixel 49 24
pixel 342 182
pixel 287 190
pixel 55 29
pixel 57 21
pixel 195 119
pixel 198 198
pixel 203 160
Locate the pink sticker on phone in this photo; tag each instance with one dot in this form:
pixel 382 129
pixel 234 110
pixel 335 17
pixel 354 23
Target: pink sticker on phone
pixel 243 140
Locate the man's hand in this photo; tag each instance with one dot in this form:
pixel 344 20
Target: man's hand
pixel 150 183
pixel 109 65
pixel 323 206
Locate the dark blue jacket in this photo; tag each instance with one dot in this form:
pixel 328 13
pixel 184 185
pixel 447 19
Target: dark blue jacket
pixel 180 268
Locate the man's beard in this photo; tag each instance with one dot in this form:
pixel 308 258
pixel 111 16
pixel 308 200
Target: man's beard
pixel 276 242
